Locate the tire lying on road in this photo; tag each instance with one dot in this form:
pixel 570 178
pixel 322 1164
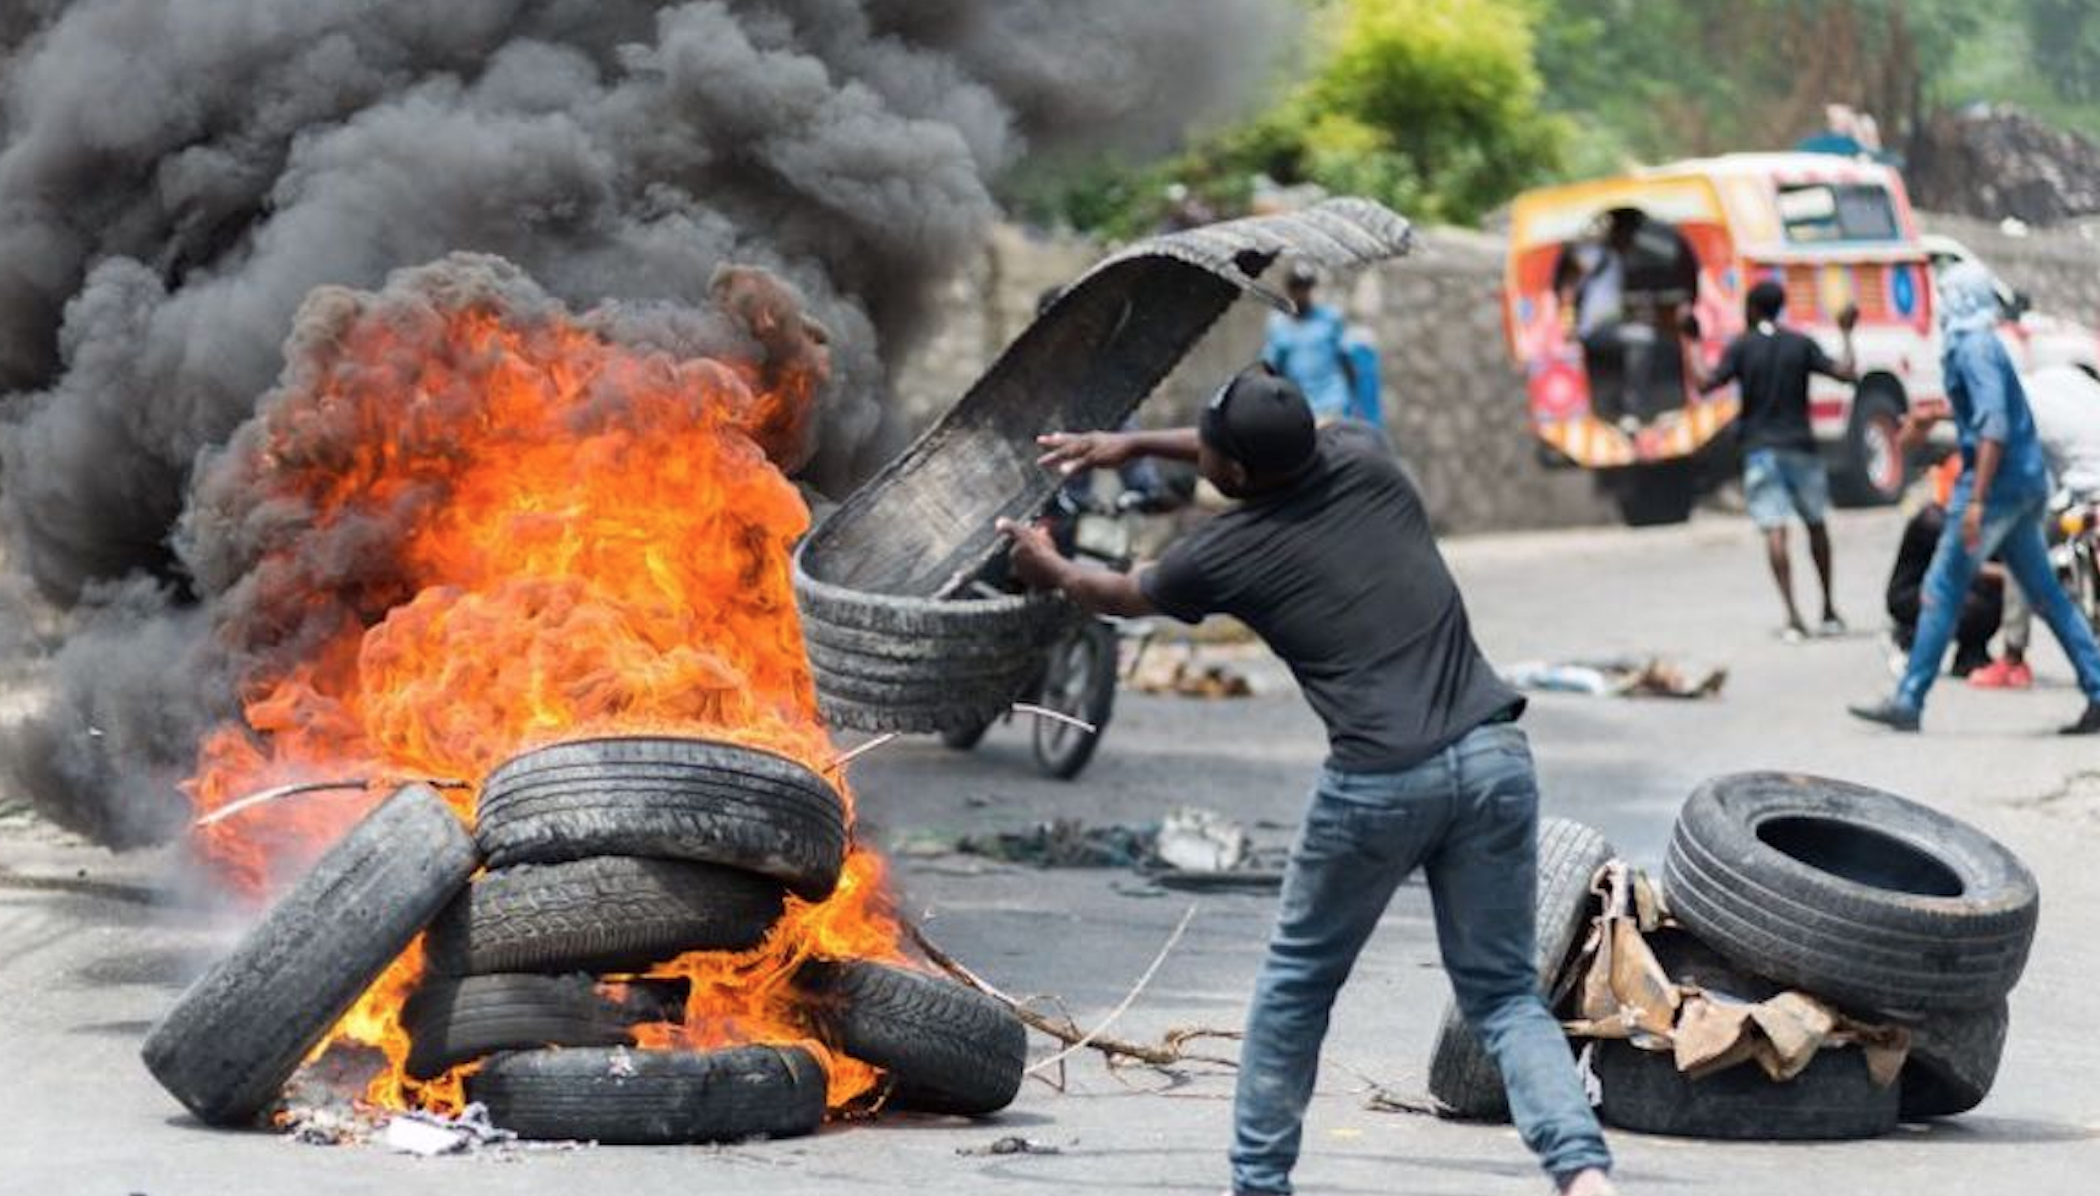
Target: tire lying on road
pixel 947 1049
pixel 1835 1098
pixel 683 799
pixel 891 663
pixel 612 914
pixel 233 1039
pixel 1870 901
pixel 653 1098
pixel 1953 1061
pixel 454 1021
pixel 1462 1077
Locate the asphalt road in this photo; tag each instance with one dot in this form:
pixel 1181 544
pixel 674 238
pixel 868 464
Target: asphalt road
pixel 93 947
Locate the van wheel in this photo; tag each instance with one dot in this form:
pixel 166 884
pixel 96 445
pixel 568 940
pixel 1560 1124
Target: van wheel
pixel 1653 495
pixel 1874 469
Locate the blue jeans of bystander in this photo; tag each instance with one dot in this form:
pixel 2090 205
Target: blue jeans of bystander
pixel 2014 532
pixel 1469 817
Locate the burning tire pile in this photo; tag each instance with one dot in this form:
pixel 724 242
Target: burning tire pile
pixel 1865 945
pixel 546 982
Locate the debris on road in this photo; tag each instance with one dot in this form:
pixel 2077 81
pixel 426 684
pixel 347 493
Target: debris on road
pixel 1066 843
pixel 428 1135
pixel 1010 1145
pixel 1171 1051
pixel 1198 840
pixel 1191 849
pixel 1651 677
pixel 1187 678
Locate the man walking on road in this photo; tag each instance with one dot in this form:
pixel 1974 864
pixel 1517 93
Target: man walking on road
pixel 1997 508
pixel 1783 475
pixel 2066 405
pixel 1329 558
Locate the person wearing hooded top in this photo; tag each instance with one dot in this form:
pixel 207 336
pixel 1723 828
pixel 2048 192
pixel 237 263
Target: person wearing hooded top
pixel 1997 508
pixel 1329 558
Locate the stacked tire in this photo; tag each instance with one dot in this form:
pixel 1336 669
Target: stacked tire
pixel 603 858
pixel 606 857
pixel 1889 910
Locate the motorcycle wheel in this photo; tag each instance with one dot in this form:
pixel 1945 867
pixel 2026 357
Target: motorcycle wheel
pixel 1081 683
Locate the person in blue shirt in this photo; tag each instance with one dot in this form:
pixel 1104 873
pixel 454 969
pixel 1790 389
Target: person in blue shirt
pixel 1309 347
pixel 1997 507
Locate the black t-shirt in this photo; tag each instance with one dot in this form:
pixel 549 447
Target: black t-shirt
pixel 1774 368
pixel 1341 576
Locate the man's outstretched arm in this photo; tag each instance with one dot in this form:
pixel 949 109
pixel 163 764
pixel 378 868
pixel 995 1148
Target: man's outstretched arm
pixel 1074 452
pixel 1097 591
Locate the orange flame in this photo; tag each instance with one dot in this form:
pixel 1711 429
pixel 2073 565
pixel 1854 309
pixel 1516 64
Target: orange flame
pixel 496 529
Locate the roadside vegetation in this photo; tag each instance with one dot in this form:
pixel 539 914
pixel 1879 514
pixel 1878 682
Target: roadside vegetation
pixel 1446 108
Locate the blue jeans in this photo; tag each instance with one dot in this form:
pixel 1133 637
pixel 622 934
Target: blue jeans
pixel 1469 816
pixel 2013 531
pixel 1779 484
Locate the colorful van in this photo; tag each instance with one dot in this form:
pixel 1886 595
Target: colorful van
pixel 1609 389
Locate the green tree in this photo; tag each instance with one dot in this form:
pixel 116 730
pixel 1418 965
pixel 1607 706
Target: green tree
pixel 1431 101
pixel 1433 106
pixel 2065 35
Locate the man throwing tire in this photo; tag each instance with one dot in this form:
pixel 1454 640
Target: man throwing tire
pixel 1997 506
pixel 1329 558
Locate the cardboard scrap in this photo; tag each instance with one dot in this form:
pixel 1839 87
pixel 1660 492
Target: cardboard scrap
pixel 1627 994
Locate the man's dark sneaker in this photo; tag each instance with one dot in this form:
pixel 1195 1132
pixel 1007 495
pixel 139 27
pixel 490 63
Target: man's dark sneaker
pixel 2087 724
pixel 1890 713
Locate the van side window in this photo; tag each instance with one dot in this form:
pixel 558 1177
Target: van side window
pixel 1823 212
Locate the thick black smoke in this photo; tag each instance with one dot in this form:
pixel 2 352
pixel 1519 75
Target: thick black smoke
pixel 177 175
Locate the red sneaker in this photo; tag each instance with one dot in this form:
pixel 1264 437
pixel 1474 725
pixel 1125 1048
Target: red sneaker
pixel 2003 674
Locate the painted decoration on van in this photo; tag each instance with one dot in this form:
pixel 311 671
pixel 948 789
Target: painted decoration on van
pixel 1903 291
pixel 1835 288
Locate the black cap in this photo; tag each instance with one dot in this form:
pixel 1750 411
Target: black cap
pixel 1302 274
pixel 1262 421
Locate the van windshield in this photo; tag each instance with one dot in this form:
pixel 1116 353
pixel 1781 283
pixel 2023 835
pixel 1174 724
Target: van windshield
pixel 1823 212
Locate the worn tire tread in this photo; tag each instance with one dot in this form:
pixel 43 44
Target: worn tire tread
pixel 653 1098
pixel 946 1048
pixel 609 914
pixel 237 1034
pixel 706 802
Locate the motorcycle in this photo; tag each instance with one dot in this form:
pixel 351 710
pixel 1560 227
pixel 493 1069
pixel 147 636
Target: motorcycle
pixel 2077 557
pixel 1082 667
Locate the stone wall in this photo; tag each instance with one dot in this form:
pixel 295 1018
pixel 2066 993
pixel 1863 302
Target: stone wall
pixel 1453 400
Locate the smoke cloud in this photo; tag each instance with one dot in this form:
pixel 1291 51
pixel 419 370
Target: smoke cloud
pixel 176 176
